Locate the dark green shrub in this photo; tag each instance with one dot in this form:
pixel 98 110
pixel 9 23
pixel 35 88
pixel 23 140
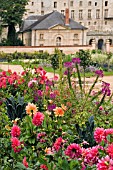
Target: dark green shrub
pixel 15 108
pixel 86 133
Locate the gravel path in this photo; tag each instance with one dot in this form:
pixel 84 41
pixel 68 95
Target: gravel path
pixel 19 69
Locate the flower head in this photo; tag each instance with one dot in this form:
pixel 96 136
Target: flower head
pixel 90 155
pixel 31 83
pixel 44 167
pixel 25 163
pixel 15 131
pixel 58 143
pixel 99 135
pixel 31 109
pixel 58 111
pixel 110 150
pixel 76 60
pixel 38 119
pixel 51 107
pixel 68 64
pixel 106 88
pixel 73 151
pixel 49 151
pixel 105 164
pixel 16 144
pixel 99 73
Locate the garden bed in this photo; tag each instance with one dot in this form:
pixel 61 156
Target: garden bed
pixel 47 123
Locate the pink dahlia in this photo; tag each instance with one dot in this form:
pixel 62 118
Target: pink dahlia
pixel 99 135
pixel 44 167
pixel 105 164
pixel 58 143
pixel 73 151
pixel 110 150
pixel 16 144
pixel 109 131
pixel 25 163
pixel 15 131
pixel 90 155
pixel 38 119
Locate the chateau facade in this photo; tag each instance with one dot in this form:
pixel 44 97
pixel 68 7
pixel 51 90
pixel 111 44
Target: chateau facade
pixel 52 29
pixel 96 15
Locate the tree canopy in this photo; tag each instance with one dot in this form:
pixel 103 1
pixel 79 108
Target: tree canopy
pixel 11 13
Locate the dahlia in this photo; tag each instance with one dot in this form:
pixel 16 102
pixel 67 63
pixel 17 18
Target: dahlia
pixel 15 131
pixel 25 163
pixel 110 150
pixel 58 111
pixel 90 155
pixel 58 143
pixel 44 167
pixel 49 151
pixel 109 131
pixel 105 164
pixel 38 119
pixel 31 109
pixel 99 135
pixel 16 144
pixel 73 151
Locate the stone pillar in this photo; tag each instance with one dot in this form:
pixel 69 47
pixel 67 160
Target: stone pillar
pixel 33 38
pixel 93 43
pixel 107 46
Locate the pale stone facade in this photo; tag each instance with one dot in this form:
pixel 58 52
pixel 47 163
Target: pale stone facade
pixel 96 15
pixel 50 37
pixel 53 29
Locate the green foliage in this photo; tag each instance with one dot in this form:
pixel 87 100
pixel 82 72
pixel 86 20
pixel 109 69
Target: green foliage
pixel 85 58
pixel 55 60
pixel 17 42
pixel 86 133
pixel 11 13
pixel 15 108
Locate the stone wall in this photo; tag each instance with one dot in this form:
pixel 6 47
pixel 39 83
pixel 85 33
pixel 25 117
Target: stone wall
pixel 64 49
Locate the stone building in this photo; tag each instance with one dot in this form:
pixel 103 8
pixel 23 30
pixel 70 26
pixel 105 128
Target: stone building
pixel 52 29
pixel 96 15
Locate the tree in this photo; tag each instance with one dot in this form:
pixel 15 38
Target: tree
pixel 11 13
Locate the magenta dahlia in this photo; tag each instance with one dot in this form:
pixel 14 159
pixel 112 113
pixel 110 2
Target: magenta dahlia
pixel 73 151
pixel 38 119
pixel 15 131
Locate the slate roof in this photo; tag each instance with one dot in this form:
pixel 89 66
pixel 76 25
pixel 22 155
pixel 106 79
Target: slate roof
pixel 47 21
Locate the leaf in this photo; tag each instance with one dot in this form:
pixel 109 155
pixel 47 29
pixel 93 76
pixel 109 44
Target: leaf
pixel 20 166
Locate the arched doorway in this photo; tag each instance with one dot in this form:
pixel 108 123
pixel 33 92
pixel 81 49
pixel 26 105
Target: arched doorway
pixel 90 41
pixel 100 44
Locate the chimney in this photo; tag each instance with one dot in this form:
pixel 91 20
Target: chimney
pixel 67 16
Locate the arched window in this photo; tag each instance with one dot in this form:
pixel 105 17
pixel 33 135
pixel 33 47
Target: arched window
pixel 58 41
pixel 75 36
pixel 100 44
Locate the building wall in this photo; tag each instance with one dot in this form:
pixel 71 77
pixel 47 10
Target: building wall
pixel 49 37
pixel 64 49
pixel 96 24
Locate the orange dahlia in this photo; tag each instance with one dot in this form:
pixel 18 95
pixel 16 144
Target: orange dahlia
pixel 58 111
pixel 31 109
